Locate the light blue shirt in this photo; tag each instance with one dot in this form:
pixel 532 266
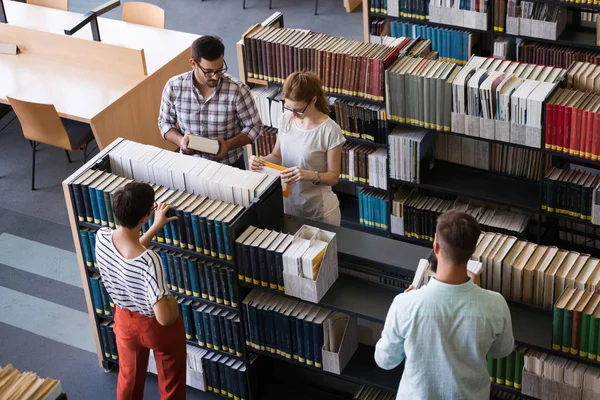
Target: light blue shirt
pixel 445 332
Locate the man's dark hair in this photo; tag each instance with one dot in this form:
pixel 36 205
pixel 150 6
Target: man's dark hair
pixel 132 202
pixel 457 234
pixel 208 47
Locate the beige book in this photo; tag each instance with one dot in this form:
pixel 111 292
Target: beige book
pixel 517 271
pixel 497 262
pixel 593 283
pixel 486 260
pixel 562 272
pixel 204 145
pixel 582 279
pixel 8 48
pixel 538 284
pixel 529 272
pixel 507 266
pixel 482 246
pixel 576 270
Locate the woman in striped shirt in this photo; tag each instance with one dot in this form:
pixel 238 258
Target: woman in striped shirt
pixel 146 314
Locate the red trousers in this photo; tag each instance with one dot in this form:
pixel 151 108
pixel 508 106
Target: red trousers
pixel 136 334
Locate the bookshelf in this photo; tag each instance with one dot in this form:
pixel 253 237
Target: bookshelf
pixel 259 211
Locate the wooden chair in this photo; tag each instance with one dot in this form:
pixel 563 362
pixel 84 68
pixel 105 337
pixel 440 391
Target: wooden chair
pixel 144 14
pixel 58 4
pixel 41 124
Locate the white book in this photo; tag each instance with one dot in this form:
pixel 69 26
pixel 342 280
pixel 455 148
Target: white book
pixel 204 145
pixel 424 272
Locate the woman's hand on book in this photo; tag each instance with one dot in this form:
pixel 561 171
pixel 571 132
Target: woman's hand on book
pixel 296 174
pixel 255 163
pixel 160 215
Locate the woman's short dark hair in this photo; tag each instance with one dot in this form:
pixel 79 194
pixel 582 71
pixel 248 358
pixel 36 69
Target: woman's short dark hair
pixel 132 202
pixel 457 234
pixel 208 47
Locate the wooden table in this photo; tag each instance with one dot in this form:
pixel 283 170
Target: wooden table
pixel 102 84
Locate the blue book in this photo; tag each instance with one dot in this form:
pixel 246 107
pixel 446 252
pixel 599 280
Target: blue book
pixel 188 320
pixel 194 278
pixel 219 239
pixel 173 227
pixel 87 251
pixel 101 207
pixel 198 324
pixel 96 296
pixel 165 265
pixel 360 208
pixel 92 240
pixel 94 202
pixel 197 233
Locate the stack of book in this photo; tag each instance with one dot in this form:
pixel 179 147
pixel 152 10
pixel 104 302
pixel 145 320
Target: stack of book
pixel 371 393
pixel 108 341
pixel 88 241
pixel 265 143
pixel 504 159
pixel 573 123
pixel 211 327
pixel 414 215
pixel 555 55
pixel 507 371
pixel 460 13
pixel 576 323
pixel 452 45
pixel 27 385
pixel 269 104
pixel 379 6
pixel 500 15
pixel 364 164
pixel 411 153
pixel 101 300
pixel 547 376
pixel 192 277
pixel 292 329
pixel 570 192
pixel 196 175
pixel 540 20
pixel 504 48
pixel 418 92
pixel 195 374
pixel 347 67
pixel 361 121
pixel 406 8
pixel 373 209
pixel 226 376
pixel 501 99
pixel 582 76
pixel 533 274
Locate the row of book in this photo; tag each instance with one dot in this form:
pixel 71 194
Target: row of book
pixel 373 209
pixel 364 164
pixel 505 159
pixel 101 300
pixel 27 385
pixel 361 121
pixel 269 104
pixel 371 393
pixel 108 340
pixel 414 215
pixel 265 144
pixel 211 327
pixel 573 123
pixel 555 55
pixel 570 192
pixel 548 376
pixel 507 371
pixel 226 376
pixel 533 274
pixel 411 153
pixel 583 76
pixel 207 280
pixel 576 323
pixel 291 329
pixel 347 67
pixel 196 175
pixel 88 243
pixel 451 45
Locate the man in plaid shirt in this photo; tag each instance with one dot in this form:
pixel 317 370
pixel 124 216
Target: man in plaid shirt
pixel 209 103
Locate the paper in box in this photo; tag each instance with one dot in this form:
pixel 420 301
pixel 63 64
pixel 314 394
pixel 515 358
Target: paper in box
pixel 336 362
pixel 458 123
pixel 486 128
pixel 502 131
pixel 533 136
pixel 517 133
pixel 307 289
pixel 471 126
pixel 512 25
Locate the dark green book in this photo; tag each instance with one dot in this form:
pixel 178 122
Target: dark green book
pixel 207 326
pixel 509 376
pixel 586 319
pixel 558 318
pixel 202 279
pixel 105 343
pixel 593 335
pixel 224 286
pixel 208 276
pixel 114 354
pixel 232 285
pixel 179 273
pixel 491 366
pixel 500 370
pixel 519 363
pixel 172 276
pixel 216 283
pixel 106 300
pixel 185 272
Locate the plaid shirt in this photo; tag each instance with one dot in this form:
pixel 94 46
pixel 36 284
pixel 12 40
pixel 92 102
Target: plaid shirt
pixel 228 111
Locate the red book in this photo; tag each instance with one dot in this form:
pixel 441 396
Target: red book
pixel 586 139
pixel 549 126
pixel 576 123
pixel 559 128
pixel 596 138
pixel 566 142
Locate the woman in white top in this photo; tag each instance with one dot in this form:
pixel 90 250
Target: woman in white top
pixel 309 144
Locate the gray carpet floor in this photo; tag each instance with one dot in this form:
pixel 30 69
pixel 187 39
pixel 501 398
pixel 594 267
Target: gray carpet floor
pixel 34 231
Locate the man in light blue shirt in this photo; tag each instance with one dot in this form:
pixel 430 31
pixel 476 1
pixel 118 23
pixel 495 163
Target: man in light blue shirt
pixel 444 330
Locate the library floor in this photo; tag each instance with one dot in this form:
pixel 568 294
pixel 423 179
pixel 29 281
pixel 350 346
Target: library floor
pixel 44 326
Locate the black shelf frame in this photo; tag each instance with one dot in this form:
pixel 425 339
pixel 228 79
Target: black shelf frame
pixel 221 352
pixel 573 159
pixel 579 39
pixel 365 142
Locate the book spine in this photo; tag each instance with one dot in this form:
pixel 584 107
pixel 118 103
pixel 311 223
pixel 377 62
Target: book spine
pixel 87 251
pixel 96 296
pixel 584 335
pixel 557 326
pixel 500 370
pixel 566 332
pixel 202 280
pixel 300 340
pixel 254 266
pixel 223 282
pixel 197 319
pixel 181 229
pixel 519 362
pixel 247 262
pixel 194 280
pixel 165 265
pixel 104 341
pixel 110 216
pixel 491 367
pixel 263 267
pixel 195 221
pixel 189 231
pixel 187 321
pixel 106 300
pixel 509 377
pixel 172 275
pixel 207 330
pixel 208 274
pixel 576 332
pixel 223 332
pixel 241 262
pixel 229 335
pixel 279 265
pixel 102 212
pixel 237 336
pixel 318 341
pixel 593 338
pixel 215 331
pixel 178 273
pixel 217 287
pixel 78 200
pixel 87 202
pixel 204 233
pixel 212 237
pixel 114 354
pixel 227 241
pixel 174 228
pixel 233 293
pixel 187 279
pixel 272 269
pixel 220 243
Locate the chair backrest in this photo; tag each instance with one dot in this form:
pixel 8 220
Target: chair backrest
pixel 144 14
pixel 58 4
pixel 41 123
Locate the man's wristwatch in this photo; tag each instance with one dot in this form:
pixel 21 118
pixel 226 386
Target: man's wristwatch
pixel 317 181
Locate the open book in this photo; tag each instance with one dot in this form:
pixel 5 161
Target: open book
pixel 204 145
pixel 424 272
pixel 275 170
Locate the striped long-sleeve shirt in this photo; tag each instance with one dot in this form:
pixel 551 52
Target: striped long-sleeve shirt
pixel 135 284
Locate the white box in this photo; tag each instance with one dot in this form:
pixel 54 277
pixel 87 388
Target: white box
pixel 306 288
pixel 512 25
pixel 471 126
pixel 336 362
pixel 524 27
pixel 502 131
pixel 533 137
pixel 397 225
pixel 517 134
pixel 486 128
pixel 458 123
